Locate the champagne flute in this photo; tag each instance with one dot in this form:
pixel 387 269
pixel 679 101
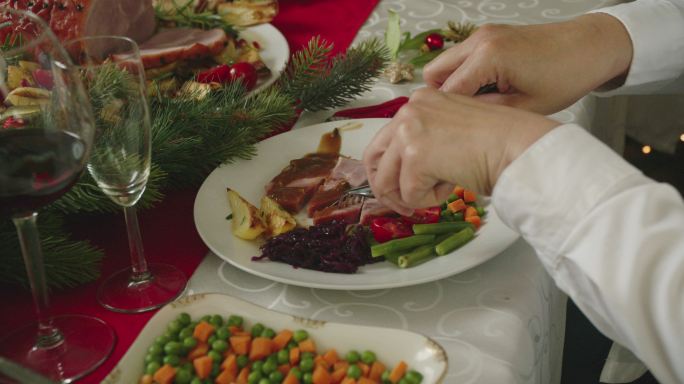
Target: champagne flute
pixel 46 133
pixel 120 164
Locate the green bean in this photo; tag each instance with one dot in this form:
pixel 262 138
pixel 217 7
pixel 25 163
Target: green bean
pixel 416 256
pixel 454 241
pixel 393 257
pixel 401 244
pixel 438 228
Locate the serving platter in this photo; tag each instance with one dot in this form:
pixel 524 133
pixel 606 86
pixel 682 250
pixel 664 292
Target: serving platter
pixel 248 178
pixel 275 51
pixel 390 345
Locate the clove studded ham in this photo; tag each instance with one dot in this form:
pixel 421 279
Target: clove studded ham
pixel 71 19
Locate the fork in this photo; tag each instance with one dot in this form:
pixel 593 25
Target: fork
pixel 363 191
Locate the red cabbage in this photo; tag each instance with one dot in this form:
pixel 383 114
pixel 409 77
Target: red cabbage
pixel 329 247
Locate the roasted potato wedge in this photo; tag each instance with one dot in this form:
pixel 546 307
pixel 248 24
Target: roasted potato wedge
pixel 247 223
pixel 277 220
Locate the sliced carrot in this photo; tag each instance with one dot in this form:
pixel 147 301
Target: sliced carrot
pixel 202 331
pixel 243 376
pixel 284 369
pixel 469 196
pixel 307 345
pixel 338 375
pixel 261 348
pixel 458 191
pixel 240 344
pixel 341 364
pixel 348 380
pixel 398 372
pixel 281 339
pixel 230 365
pixel 474 220
pixel 457 205
pixel 365 368
pixel 365 380
pixel 200 350
pixel 291 379
pixel 331 356
pixel 294 355
pixel 203 366
pixel 321 376
pixel 234 329
pixel 320 361
pixel 377 368
pixel 470 211
pixel 225 377
pixel 165 374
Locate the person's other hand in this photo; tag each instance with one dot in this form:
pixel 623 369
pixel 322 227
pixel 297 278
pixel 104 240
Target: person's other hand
pixel 438 140
pixel 542 68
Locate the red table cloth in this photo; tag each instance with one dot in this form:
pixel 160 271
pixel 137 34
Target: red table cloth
pixel 168 230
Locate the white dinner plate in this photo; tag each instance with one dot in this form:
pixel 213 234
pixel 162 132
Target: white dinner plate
pixel 390 345
pixel 275 52
pixel 248 178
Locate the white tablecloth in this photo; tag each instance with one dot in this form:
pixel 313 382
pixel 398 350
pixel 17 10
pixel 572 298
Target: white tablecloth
pixel 501 322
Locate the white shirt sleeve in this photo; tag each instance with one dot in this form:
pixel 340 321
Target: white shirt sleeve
pixel 611 238
pixel 656 28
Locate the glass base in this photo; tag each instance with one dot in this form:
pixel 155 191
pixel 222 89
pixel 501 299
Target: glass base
pixel 121 294
pixel 86 343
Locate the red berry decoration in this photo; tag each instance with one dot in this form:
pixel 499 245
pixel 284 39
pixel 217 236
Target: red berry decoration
pixel 217 74
pixel 434 41
pixel 246 71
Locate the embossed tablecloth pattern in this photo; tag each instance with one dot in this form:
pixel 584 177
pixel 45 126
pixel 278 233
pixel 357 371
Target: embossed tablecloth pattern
pixel 502 322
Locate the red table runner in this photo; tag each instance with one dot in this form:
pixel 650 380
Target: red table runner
pixel 168 230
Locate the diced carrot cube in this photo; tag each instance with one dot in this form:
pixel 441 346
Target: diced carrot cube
pixel 294 355
pixel 240 344
pixel 230 365
pixel 202 331
pixel 348 380
pixel 376 370
pixel 200 350
pixel 307 345
pixel 225 377
pixel 365 368
pixel 243 376
pixel 469 196
pixel 457 205
pixel 458 191
pixel 331 356
pixel 261 348
pixel 165 374
pixel 398 372
pixel 291 379
pixel 474 220
pixel 203 366
pixel 365 380
pixel 321 376
pixel 470 211
pixel 281 339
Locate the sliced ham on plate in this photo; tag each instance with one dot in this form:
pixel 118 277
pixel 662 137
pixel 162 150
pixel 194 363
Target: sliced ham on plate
pixel 351 170
pixel 348 211
pixel 327 194
pixel 371 209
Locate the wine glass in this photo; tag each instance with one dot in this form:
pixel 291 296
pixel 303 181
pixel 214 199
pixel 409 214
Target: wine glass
pixel 46 133
pixel 120 164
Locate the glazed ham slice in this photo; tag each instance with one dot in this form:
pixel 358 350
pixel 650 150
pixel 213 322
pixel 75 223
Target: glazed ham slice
pixel 350 170
pixel 71 19
pixel 327 194
pixel 175 44
pixel 348 211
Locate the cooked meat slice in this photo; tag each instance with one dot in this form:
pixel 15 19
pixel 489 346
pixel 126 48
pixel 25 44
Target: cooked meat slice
pixel 291 199
pixel 372 208
pixel 347 213
pixel 326 194
pixel 308 170
pixel 351 170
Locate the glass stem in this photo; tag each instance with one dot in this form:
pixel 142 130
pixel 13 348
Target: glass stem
pixel 138 263
pixel 48 336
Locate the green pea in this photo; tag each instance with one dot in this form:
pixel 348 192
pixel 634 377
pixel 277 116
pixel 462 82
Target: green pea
pixel 275 377
pixel 451 198
pixel 354 371
pixel 223 333
pixel 296 373
pixel 171 336
pixel 155 349
pixel 152 367
pixel 216 320
pixel 211 339
pixel 172 360
pixel 300 335
pixel 254 376
pixel 368 357
pixel 184 318
pixel 306 365
pixel 190 342
pixel 292 344
pixel 219 345
pixel 403 381
pixel 242 360
pixel 205 318
pixel 257 329
pixel 257 366
pixel 414 377
pixel 185 333
pixel 283 357
pixel 269 366
pixel 161 340
pixel 175 326
pixel 385 375
pixel 172 348
pixel 183 376
pixel 307 378
pixel 215 356
pixel 188 367
pixel 150 358
pixel 196 380
pixel 352 357
pixel 235 320
pixel 215 369
pixel 268 333
pixel 264 381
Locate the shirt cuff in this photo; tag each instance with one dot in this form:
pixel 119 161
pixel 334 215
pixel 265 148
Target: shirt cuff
pixel 545 192
pixel 656 28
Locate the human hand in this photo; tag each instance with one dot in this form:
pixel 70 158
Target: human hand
pixel 542 68
pixel 438 140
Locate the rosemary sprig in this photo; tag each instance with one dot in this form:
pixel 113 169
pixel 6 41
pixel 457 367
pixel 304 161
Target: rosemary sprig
pixel 170 12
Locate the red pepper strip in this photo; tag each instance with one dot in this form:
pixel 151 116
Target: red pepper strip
pixel 424 216
pixel 388 228
pixel 386 109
